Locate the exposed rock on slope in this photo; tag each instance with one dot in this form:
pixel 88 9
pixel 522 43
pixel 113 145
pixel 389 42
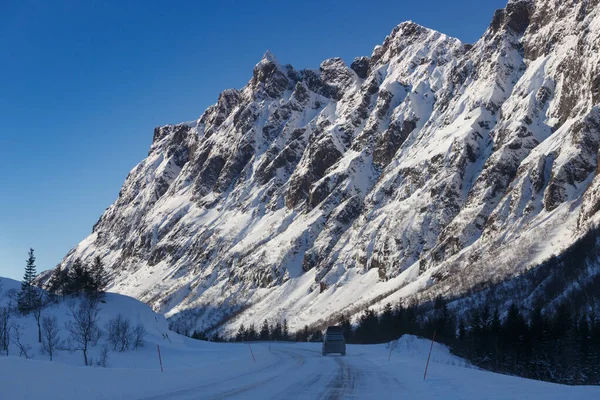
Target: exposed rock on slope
pixel 311 192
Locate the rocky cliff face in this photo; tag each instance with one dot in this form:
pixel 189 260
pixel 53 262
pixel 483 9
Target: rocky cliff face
pixel 429 167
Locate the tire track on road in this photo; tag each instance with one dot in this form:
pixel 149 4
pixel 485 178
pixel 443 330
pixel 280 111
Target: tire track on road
pixel 344 383
pixel 254 385
pixel 195 390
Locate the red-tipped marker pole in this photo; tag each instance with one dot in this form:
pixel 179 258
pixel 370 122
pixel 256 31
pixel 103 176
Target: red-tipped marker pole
pixel 391 348
pixel 251 352
pixel 428 357
pixel 159 358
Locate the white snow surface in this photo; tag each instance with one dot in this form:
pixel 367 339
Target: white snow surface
pixel 202 370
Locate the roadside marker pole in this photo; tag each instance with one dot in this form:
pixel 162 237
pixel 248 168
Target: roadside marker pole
pixel 428 357
pixel 159 358
pixel 391 348
pixel 251 352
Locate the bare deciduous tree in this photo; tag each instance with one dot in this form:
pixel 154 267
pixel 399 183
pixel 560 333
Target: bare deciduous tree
pixel 39 301
pixel 122 336
pixel 13 300
pixel 51 341
pixel 103 357
pixel 119 333
pixel 4 330
pixel 83 329
pixel 139 333
pixel 24 348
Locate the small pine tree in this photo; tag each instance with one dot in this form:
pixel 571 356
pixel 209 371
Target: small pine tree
pixel 316 336
pixel 80 279
pixel 200 335
pixel 27 294
pixel 277 332
pixel 264 331
pixel 346 328
pixel 367 331
pixel 58 283
pixel 251 334
pixel 386 323
pixel 303 335
pixel 285 331
pixel 100 280
pixel 53 286
pixel 241 334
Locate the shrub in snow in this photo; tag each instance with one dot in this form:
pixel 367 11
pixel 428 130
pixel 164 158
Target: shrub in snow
pixel 83 329
pixel 139 333
pixel 51 341
pixel 24 348
pixel 122 337
pixel 103 357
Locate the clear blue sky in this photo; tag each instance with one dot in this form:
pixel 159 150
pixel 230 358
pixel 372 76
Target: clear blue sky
pixel 83 85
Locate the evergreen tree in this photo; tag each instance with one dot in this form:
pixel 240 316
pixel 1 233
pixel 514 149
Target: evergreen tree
pixel 28 293
pixel 541 347
pixel 251 334
pixel 216 337
pixel 367 331
pixel 444 325
pixel 409 320
pixel 264 331
pixel 514 332
pixel 240 336
pixel 462 331
pixel 54 287
pixel 399 327
pixel 276 332
pixel 386 324
pixel 562 336
pixel 316 336
pixel 346 328
pixel 584 349
pixel 199 335
pixel 80 279
pixel 58 283
pixel 494 335
pixel 285 331
pixel 595 349
pixel 100 279
pixel 303 335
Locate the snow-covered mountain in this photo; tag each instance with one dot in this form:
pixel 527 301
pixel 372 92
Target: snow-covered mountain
pixel 429 167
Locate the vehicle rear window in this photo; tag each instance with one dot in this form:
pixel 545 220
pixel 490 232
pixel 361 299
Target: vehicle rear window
pixel 335 336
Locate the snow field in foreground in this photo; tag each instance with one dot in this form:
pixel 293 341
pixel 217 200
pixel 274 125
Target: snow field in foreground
pixel 202 370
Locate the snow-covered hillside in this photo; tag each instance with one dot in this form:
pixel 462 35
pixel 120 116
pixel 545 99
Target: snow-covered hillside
pixel 201 370
pixel 310 192
pixel 157 330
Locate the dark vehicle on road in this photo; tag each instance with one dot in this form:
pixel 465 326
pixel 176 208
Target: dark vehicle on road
pixel 333 341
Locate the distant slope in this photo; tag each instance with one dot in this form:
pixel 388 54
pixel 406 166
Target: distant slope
pixel 7 284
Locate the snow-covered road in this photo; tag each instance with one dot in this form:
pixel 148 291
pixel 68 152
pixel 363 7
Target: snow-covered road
pixel 297 373
pixel 201 370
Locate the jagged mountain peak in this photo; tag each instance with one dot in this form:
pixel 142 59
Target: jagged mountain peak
pixel 514 17
pixel 409 173
pixel 269 57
